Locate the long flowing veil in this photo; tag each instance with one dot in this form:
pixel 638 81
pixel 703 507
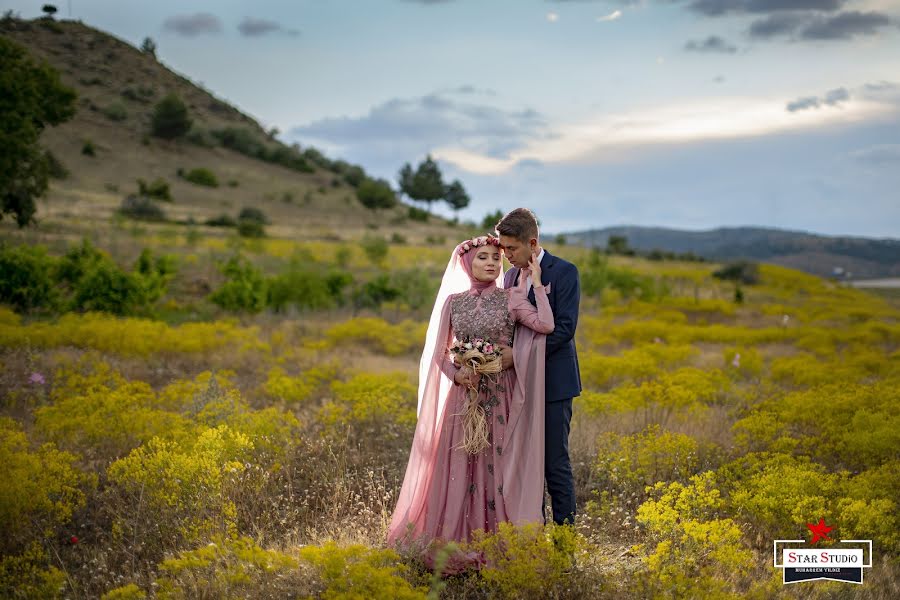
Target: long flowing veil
pixel 434 387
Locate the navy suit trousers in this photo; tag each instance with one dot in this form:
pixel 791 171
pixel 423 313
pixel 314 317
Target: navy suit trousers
pixel 557 467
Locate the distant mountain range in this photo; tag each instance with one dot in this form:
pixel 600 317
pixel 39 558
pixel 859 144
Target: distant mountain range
pixel 827 256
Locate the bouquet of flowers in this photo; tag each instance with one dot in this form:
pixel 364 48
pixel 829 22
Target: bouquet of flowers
pixel 484 358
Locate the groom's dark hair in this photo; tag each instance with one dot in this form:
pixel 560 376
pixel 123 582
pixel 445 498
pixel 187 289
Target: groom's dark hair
pixel 519 223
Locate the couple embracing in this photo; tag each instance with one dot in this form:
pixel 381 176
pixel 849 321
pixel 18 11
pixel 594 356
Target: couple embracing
pixel 496 381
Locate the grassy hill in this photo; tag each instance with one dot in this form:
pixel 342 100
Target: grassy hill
pixel 118 86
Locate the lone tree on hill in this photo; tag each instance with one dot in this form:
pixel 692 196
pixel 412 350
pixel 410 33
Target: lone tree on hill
pixel 33 97
pixel 456 196
pixel 149 47
pixel 425 184
pixel 49 10
pixel 170 118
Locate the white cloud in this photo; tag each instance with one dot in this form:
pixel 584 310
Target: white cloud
pixel 610 136
pixel 616 14
pixel 552 17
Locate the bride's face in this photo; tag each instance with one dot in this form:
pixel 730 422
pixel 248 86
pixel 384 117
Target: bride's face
pixel 486 264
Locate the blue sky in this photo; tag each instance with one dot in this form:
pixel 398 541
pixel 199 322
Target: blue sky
pixel 681 113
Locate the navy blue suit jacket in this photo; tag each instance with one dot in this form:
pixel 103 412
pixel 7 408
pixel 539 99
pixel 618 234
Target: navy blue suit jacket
pixel 562 375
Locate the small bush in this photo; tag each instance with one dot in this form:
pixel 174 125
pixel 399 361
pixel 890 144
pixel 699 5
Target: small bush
pixel 202 176
pixel 307 287
pixel 170 118
pixel 251 213
pixel 142 208
pixel 245 288
pixel 417 214
pixel 250 229
pixel 27 278
pixel 375 292
pixel 375 247
pixel 740 271
pixel 140 94
pixel 88 148
pixel 201 137
pixel 158 188
pixel 115 112
pixel 222 220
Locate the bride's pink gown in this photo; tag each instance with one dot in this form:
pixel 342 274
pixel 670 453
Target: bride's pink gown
pixel 465 492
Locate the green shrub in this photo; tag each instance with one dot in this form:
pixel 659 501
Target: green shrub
pixel 375 247
pixel 27 278
pixel 88 148
pixel 307 287
pixel 251 213
pixel 248 143
pixel 115 112
pixel 170 118
pixel 222 220
pixel 201 137
pixel 373 293
pixel 202 176
pixel 741 271
pixel 158 188
pixel 245 287
pixel 142 208
pixel 98 283
pixel 250 229
pixel 417 214
pixel 140 94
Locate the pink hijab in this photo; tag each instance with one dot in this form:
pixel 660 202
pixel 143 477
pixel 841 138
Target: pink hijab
pixel 521 471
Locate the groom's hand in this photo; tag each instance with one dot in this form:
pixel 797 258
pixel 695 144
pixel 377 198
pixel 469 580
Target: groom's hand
pixel 506 357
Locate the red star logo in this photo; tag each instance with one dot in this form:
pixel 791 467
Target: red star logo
pixel 819 530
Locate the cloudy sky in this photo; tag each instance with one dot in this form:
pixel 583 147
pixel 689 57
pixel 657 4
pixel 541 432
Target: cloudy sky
pixel 680 113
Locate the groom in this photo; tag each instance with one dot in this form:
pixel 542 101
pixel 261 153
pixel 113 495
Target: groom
pixel 518 232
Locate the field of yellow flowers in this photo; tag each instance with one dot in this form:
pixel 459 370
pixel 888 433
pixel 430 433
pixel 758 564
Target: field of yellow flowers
pixel 203 452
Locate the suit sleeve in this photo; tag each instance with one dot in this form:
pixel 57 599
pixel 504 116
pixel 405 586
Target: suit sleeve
pixel 568 292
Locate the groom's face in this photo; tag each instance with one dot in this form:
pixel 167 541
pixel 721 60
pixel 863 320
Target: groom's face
pixel 517 252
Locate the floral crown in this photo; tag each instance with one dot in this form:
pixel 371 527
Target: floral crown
pixel 475 242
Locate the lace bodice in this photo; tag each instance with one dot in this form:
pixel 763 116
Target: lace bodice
pixel 486 316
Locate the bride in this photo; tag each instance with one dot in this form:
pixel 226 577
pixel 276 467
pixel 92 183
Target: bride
pixel 477 456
